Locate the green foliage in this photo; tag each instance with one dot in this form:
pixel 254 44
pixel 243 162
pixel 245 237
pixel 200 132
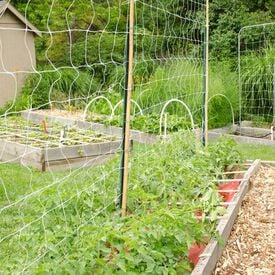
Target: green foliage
pixel 257 78
pixel 149 123
pixel 74 224
pixel 222 80
pixel 185 81
pixel 228 17
pixel 58 86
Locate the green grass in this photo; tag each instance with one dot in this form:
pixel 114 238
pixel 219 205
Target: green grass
pixel 262 152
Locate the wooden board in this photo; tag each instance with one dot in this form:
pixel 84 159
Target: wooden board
pixel 68 164
pixel 213 251
pixel 254 131
pixel 60 158
pixel 17 150
pixel 85 150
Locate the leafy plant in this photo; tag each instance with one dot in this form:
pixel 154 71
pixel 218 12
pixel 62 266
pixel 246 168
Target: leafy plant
pixel 74 224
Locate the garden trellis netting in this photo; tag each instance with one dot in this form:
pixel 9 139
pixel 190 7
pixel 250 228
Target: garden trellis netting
pixel 256 62
pixel 89 57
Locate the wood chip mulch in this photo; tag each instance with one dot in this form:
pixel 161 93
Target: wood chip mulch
pixel 250 249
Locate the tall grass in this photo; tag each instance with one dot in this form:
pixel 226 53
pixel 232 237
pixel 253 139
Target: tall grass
pixel 60 88
pixel 183 79
pixel 257 76
pixel 222 80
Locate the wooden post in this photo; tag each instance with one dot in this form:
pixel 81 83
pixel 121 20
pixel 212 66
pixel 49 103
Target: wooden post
pixel 127 110
pixel 273 122
pixel 206 74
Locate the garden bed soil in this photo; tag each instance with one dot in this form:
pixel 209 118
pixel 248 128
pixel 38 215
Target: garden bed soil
pixel 251 247
pixel 76 119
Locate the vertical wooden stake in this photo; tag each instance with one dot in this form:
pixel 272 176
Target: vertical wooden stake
pixel 127 110
pixel 273 121
pixel 206 74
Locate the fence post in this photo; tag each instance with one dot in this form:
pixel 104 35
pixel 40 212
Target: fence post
pixel 206 78
pixel 273 121
pixel 127 110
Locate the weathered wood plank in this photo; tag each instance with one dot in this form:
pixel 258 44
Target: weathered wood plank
pixel 85 150
pixel 22 160
pixel 213 251
pixel 69 164
pixel 19 151
pixel 253 131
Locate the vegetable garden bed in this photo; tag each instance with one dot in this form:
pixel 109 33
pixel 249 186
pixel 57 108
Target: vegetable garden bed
pixel 55 147
pixel 69 120
pixel 244 134
pixel 250 248
pixel 207 257
pixel 173 203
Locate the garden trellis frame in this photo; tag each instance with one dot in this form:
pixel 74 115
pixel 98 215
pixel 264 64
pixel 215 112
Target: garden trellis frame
pixel 256 97
pixel 86 67
pixel 128 88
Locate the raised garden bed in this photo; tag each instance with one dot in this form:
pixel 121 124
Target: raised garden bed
pixel 55 147
pixel 249 249
pixel 208 256
pixel 245 134
pixel 37 117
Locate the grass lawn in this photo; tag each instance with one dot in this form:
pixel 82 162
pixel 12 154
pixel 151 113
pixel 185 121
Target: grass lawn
pixel 262 152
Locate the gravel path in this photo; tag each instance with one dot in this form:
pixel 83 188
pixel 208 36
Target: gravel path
pixel 251 247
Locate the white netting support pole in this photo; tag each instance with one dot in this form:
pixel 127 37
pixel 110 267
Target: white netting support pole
pixel 227 99
pixel 121 101
pixel 239 75
pixel 95 99
pixel 163 110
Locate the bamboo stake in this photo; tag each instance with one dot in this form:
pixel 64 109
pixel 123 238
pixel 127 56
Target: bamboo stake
pixel 128 109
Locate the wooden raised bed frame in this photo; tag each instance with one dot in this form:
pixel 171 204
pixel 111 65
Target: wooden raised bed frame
pixel 245 136
pixel 213 251
pixel 59 158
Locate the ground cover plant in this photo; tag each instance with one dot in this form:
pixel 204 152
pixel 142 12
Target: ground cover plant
pixel 70 222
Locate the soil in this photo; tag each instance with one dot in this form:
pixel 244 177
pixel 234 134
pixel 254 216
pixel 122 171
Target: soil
pixel 77 115
pixel 250 249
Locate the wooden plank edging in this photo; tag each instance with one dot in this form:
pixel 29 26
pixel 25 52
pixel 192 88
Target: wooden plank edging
pixel 85 150
pixel 213 251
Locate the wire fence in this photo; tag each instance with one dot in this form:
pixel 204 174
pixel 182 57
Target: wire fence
pixel 256 61
pixel 102 76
